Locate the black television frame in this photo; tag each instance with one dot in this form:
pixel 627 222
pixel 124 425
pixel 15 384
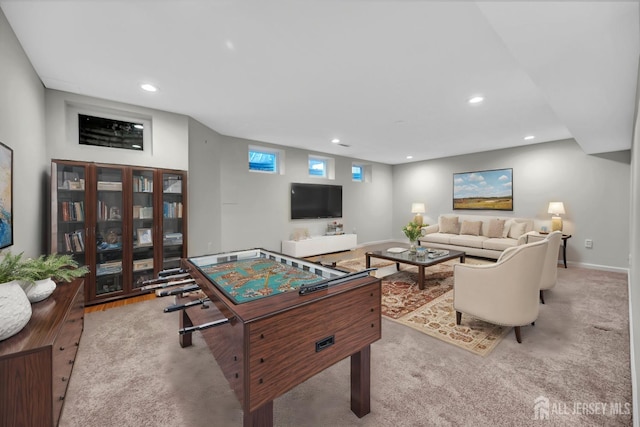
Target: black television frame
pixel 324 199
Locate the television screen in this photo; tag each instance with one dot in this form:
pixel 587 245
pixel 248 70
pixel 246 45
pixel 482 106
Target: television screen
pixel 310 201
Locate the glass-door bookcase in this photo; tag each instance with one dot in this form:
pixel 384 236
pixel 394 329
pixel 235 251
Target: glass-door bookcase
pixel 173 212
pixel 143 230
pixel 109 230
pixel 68 203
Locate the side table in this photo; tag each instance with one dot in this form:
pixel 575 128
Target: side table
pixel 565 237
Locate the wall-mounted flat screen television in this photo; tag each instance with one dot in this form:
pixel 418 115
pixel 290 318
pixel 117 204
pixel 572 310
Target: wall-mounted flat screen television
pixel 309 201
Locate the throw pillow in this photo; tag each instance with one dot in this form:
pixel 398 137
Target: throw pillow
pixel 448 224
pixel 472 228
pixel 507 228
pixel 496 227
pixel 517 229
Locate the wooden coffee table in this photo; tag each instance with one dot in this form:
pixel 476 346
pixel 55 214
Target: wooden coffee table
pixel 412 259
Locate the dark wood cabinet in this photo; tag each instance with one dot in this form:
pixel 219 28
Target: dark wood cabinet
pixel 36 363
pixel 126 223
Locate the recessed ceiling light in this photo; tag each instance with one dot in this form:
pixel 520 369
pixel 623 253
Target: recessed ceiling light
pixel 529 137
pixel 409 157
pixel 335 141
pixel 148 87
pixel 476 100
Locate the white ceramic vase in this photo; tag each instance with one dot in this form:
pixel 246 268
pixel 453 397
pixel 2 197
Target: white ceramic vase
pixel 38 290
pixel 15 309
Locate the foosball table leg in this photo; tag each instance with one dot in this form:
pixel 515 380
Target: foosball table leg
pixel 185 322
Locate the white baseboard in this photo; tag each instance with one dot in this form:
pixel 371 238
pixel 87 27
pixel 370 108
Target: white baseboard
pixel 598 267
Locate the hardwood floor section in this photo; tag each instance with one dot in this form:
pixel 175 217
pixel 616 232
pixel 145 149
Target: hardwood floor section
pixel 119 303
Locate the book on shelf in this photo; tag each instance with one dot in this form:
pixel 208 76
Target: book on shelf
pixel 143 264
pixel 109 185
pixel 142 184
pixel 111 267
pixel 172 209
pixel 74 241
pixel 72 211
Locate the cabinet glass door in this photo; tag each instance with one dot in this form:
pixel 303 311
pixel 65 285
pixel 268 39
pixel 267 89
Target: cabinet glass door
pixel 143 244
pixel 109 237
pixel 172 225
pixel 68 205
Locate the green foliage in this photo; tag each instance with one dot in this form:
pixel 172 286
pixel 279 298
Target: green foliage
pixel 10 267
pixel 58 267
pixel 412 231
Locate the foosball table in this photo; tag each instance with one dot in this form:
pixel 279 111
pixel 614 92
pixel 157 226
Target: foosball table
pixel 273 321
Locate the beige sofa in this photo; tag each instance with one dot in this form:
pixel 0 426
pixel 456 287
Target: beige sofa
pixel 477 235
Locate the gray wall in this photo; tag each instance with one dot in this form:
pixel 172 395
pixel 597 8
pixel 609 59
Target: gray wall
pixel 232 208
pixel 22 128
pixel 170 140
pixel 634 273
pixel 594 190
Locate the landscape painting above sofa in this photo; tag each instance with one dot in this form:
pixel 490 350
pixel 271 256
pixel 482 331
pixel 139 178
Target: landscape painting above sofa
pixel 483 190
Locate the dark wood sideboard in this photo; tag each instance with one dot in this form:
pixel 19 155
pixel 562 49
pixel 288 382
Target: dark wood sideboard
pixel 36 363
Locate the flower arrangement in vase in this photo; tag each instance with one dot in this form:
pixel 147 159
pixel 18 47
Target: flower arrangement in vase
pixel 413 231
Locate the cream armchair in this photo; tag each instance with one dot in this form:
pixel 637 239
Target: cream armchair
pixel 550 269
pixel 504 293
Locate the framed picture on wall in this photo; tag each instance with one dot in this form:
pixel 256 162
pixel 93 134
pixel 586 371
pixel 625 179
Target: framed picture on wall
pixel 483 190
pixel 6 196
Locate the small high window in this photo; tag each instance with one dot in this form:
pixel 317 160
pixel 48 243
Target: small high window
pixel 317 167
pixel 263 161
pixel 105 132
pixel 356 173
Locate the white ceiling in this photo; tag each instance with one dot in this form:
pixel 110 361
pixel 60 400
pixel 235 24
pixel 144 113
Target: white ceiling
pixel 390 78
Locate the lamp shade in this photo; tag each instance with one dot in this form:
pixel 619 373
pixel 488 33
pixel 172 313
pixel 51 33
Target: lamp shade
pixel 417 208
pixel 556 208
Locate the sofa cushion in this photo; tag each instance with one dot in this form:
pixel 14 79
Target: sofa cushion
pixel 517 229
pixel 436 238
pixel 496 227
pixel 448 224
pixel 467 240
pixel 507 228
pixel 499 244
pixel 472 228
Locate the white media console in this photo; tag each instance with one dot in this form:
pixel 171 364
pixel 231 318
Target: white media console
pixel 317 245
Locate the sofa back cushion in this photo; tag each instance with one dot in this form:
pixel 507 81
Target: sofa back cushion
pixel 517 229
pixel 496 227
pixel 448 224
pixel 473 228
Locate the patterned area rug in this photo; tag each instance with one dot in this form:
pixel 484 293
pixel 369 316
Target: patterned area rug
pixel 431 310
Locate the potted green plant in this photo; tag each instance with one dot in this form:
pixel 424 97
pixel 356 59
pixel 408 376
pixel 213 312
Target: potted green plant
pixel 15 308
pixel 39 275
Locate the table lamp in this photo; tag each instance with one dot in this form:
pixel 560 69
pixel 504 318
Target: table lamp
pixel 556 209
pixel 417 209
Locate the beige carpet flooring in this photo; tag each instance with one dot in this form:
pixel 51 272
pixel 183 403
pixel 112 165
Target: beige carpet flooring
pixel 130 371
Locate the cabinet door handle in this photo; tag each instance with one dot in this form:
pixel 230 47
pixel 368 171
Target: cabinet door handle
pixel 61 398
pixel 71 362
pixel 64 379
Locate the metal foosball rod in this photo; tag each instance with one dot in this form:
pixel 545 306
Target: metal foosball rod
pixel 207 325
pixel 165 278
pixel 172 272
pixel 176 307
pixel 169 292
pixel 184 281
